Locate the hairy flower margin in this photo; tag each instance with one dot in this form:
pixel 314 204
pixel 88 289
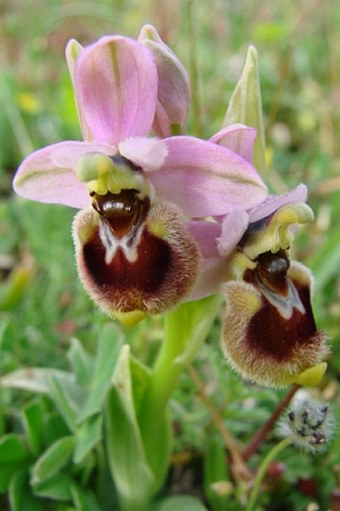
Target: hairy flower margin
pixel 169 218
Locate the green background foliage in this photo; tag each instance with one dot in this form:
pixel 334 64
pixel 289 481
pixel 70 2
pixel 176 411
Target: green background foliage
pixel 47 320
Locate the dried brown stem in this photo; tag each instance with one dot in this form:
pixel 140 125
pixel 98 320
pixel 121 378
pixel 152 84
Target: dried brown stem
pixel 262 433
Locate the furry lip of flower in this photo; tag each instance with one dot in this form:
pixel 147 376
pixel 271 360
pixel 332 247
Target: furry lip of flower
pixel 116 91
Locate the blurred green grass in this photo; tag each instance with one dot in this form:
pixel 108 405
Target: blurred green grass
pixel 298 47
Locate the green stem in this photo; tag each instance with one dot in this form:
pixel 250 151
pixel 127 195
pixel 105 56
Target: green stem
pixel 263 469
pixel 186 328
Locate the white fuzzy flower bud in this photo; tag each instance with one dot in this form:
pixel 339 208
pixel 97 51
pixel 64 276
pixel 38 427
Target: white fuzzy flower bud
pixel 310 424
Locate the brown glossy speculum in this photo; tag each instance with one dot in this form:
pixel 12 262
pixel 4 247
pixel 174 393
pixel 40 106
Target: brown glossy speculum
pixel 271 271
pixel 123 212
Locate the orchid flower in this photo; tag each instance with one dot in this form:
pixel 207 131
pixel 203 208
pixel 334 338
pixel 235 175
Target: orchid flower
pixel 138 250
pixel 269 333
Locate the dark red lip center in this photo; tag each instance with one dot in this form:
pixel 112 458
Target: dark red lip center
pixel 146 274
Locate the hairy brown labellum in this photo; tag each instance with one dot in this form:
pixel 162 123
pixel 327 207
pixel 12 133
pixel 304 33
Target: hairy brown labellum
pixel 132 256
pixel 269 332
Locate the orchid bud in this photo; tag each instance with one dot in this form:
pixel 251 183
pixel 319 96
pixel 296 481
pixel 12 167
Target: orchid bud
pixel 269 332
pixel 173 85
pixel 310 424
pixel 245 106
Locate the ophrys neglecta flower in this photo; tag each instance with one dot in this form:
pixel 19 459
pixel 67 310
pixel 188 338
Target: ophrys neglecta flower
pixel 139 196
pixel 269 331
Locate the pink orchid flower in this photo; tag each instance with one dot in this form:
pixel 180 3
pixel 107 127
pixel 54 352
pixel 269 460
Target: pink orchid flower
pixel 137 248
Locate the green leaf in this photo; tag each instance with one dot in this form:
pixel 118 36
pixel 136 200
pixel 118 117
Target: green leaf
pixel 245 106
pixel 54 459
pixel 67 407
pixel 16 490
pixel 109 347
pixel 89 433
pixel 20 493
pixel 14 455
pixel 35 379
pixel 132 475
pixel 215 471
pixel 55 428
pixel 56 488
pixel 84 500
pixel 181 503
pixel 140 376
pixel 13 449
pixel 6 473
pixel 33 421
pixel 81 363
pixel 158 454
pixel 159 458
